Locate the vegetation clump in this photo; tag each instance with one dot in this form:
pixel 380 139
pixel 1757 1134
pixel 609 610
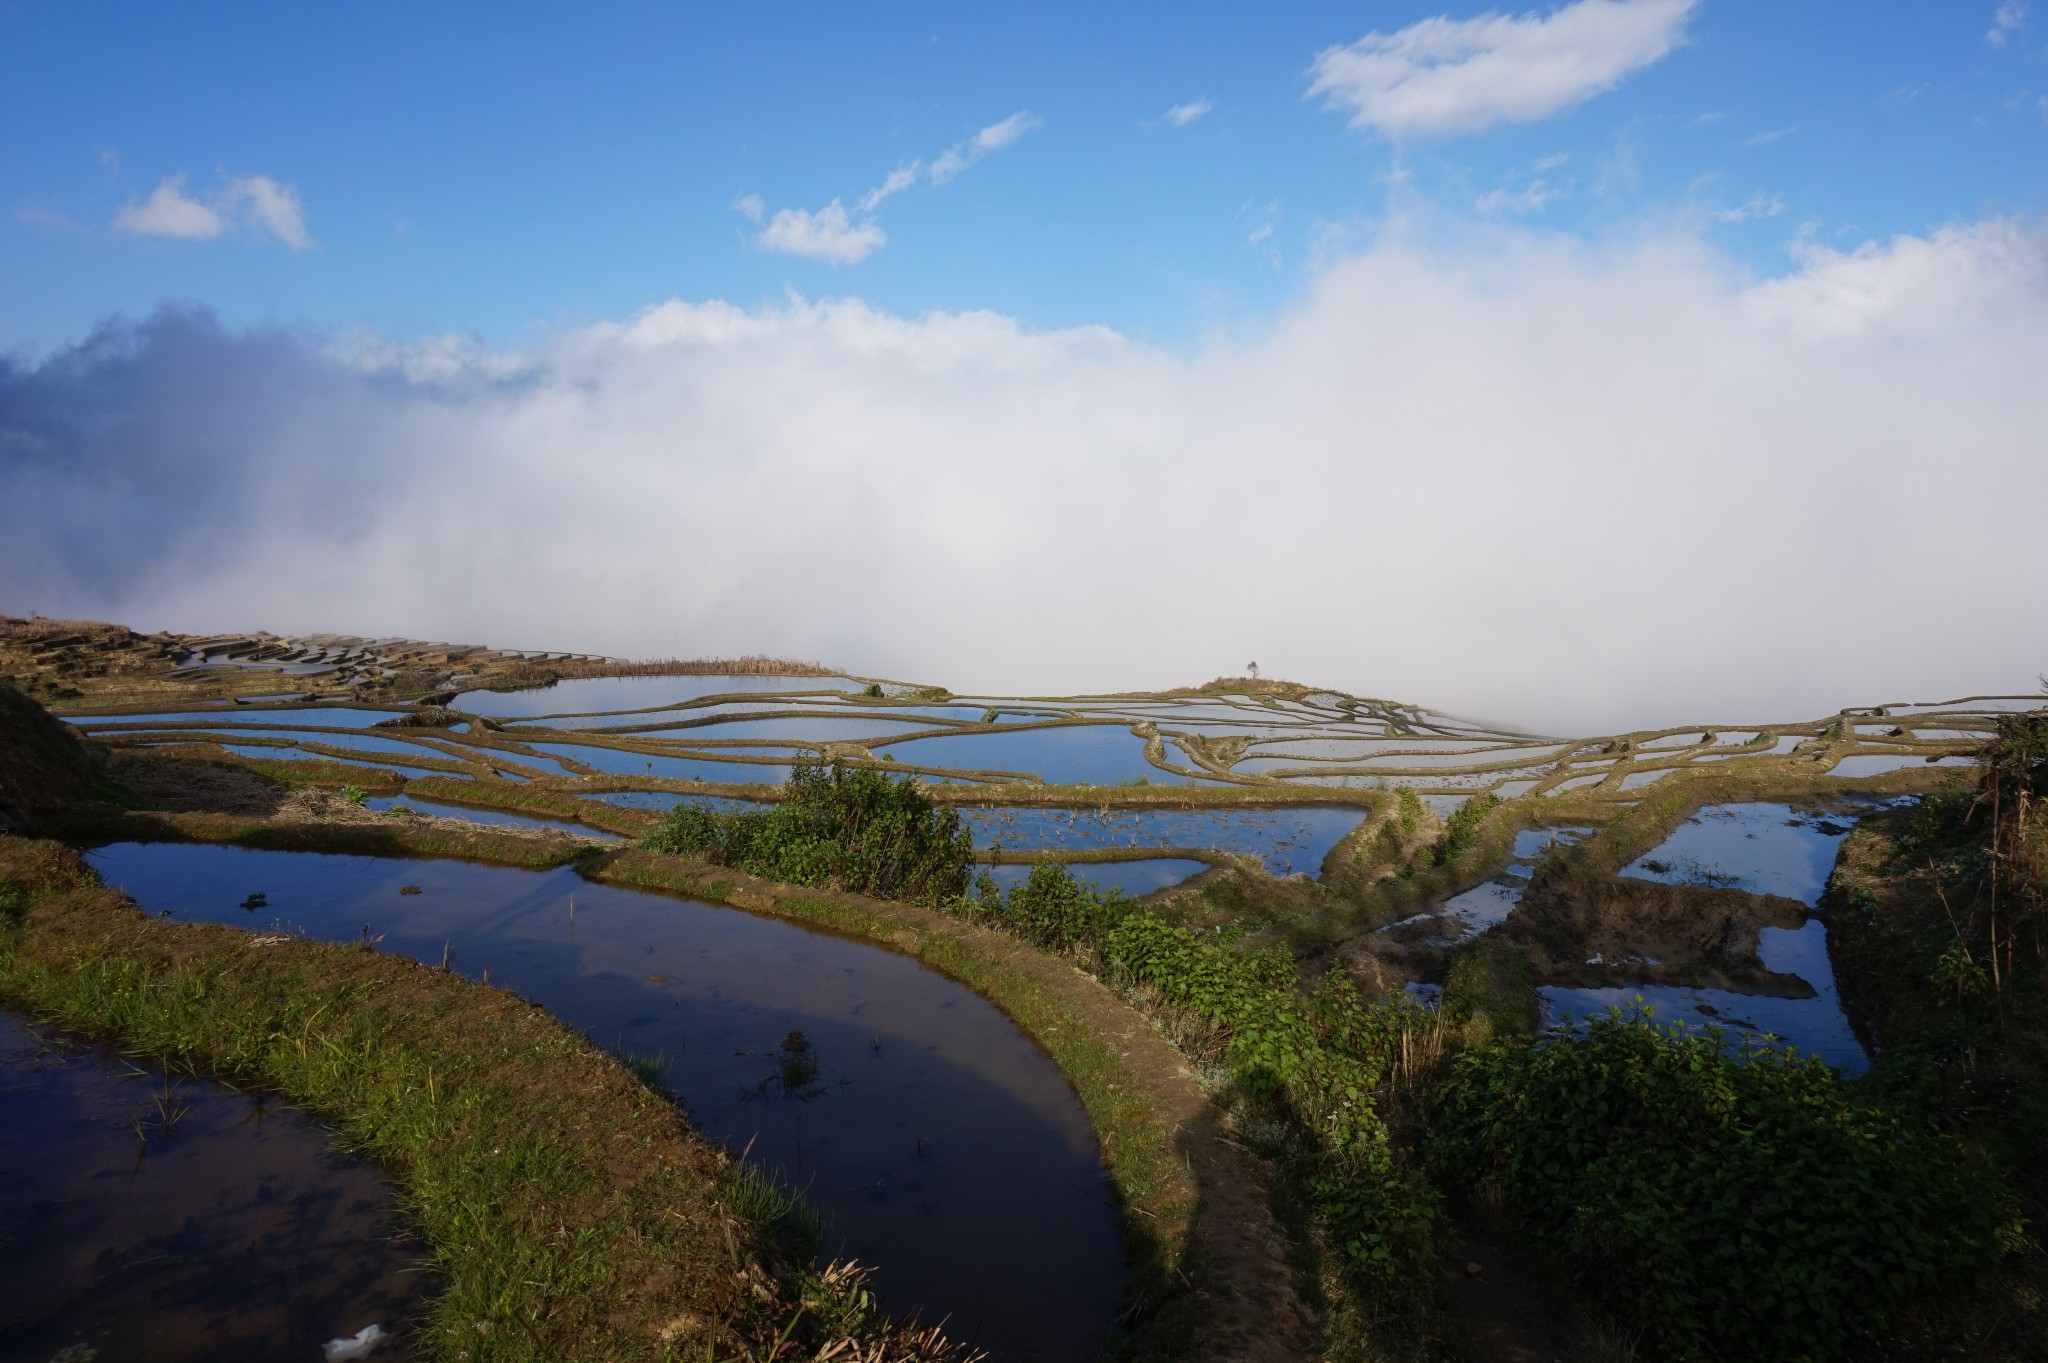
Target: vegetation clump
pixel 846 828
pixel 1461 830
pixel 1313 1061
pixel 1739 1206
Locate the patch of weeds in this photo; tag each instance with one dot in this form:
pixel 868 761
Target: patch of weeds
pixel 1738 1206
pixel 1490 992
pixel 1461 830
pixel 853 829
pixel 650 1070
pixel 759 1197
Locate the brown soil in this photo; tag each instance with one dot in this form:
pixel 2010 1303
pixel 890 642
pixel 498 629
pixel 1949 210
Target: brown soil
pixel 1507 1311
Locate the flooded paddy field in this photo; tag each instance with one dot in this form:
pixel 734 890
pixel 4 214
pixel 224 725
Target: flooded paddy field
pixel 937 1141
pixel 150 1218
pixel 1343 838
pixel 1777 853
pixel 1080 755
pixel 1134 878
pixel 1288 841
pixel 678 726
pixel 496 818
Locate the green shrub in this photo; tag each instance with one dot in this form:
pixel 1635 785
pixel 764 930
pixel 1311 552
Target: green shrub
pixel 1462 828
pixel 852 828
pixel 1490 991
pixel 1739 1206
pixel 1316 1059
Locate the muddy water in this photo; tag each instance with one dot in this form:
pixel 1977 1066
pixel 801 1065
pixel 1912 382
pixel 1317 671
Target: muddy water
pixel 941 1144
pixel 234 1232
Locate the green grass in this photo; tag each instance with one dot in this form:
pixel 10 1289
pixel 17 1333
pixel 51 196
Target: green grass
pixel 571 1212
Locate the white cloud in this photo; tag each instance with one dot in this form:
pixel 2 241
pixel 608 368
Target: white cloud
pixel 1710 116
pixel 827 234
pixel 1766 138
pixel 1530 198
pixel 273 207
pixel 994 137
pixel 255 202
pixel 1507 473
pixel 1180 115
pixel 1444 76
pixel 1757 205
pixel 2010 19
pixel 1987 273
pixel 831 233
pixel 898 180
pixel 170 212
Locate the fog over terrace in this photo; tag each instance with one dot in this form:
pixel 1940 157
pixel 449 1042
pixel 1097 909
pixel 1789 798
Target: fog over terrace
pixel 1568 486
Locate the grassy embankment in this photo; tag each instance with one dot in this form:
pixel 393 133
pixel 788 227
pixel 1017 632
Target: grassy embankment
pixel 1198 1230
pixel 1938 927
pixel 570 1212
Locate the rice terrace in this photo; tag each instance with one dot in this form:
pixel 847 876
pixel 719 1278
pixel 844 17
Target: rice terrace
pixel 748 1009
pixel 926 683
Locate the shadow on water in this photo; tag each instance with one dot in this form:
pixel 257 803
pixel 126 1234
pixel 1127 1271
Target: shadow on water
pixel 938 1141
pixel 1763 848
pixel 165 1219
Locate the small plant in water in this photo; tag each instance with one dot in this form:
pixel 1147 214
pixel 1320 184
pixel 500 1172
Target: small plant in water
pixel 650 1070
pixel 167 1109
pixel 799 1071
pixel 355 795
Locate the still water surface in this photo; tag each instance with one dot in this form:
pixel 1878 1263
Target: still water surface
pixel 233 1231
pixel 940 1143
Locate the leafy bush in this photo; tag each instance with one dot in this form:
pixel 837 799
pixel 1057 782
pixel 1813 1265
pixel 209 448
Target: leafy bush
pixel 1462 828
pixel 1490 991
pixel 1317 1059
pixel 852 828
pixel 1740 1206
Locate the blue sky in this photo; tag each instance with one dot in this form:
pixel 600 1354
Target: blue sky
pixel 512 171
pixel 1616 362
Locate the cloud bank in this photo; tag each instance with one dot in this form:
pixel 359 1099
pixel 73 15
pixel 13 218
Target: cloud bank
pixel 1490 470
pixel 1444 76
